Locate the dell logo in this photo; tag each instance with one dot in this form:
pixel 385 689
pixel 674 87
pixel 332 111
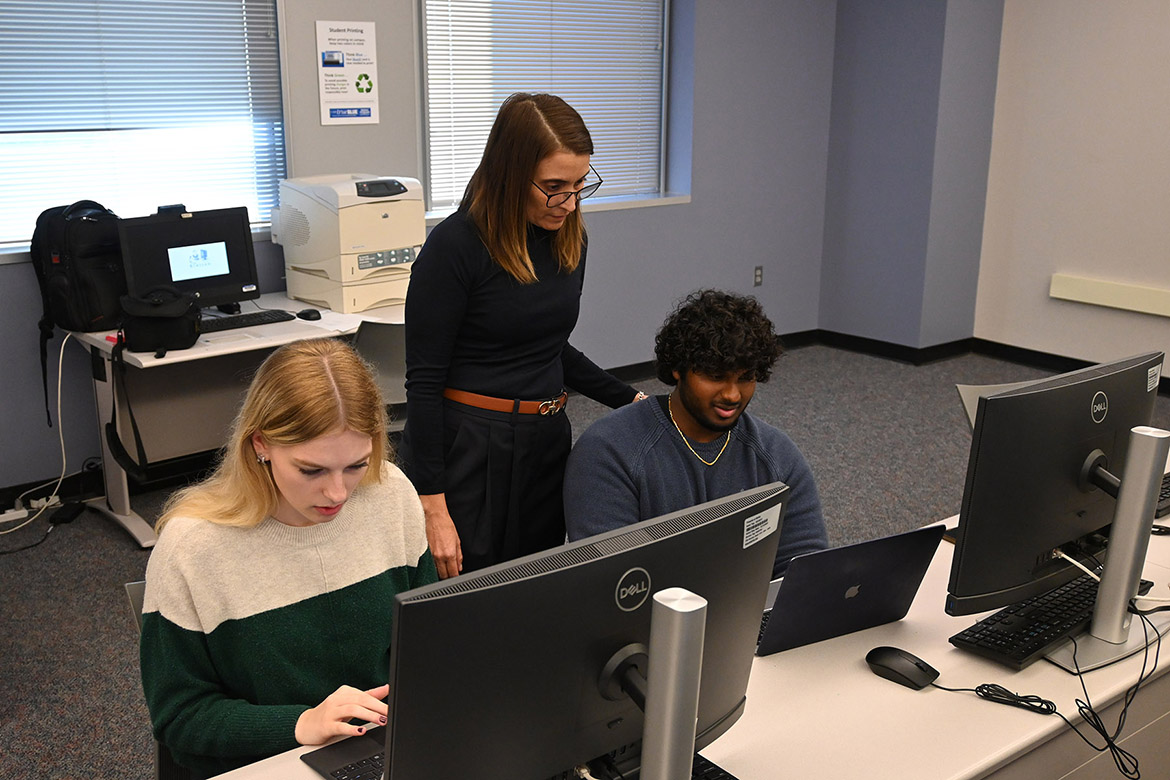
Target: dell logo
pixel 632 589
pixel 1100 406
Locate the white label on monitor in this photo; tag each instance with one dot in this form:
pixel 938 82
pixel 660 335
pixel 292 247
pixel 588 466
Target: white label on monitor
pixel 197 261
pixel 758 527
pixel 1152 378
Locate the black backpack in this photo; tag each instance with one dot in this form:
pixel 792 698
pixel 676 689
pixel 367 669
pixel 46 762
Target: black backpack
pixel 78 261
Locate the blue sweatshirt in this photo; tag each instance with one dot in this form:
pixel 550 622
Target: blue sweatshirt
pixel 633 465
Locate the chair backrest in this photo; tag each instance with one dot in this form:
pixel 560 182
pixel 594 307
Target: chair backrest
pixel 165 767
pixel 970 395
pixel 383 346
pixel 135 592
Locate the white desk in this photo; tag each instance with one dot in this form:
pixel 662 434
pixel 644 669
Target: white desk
pixel 818 711
pixel 184 402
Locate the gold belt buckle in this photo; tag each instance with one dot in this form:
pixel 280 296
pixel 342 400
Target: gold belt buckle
pixel 552 406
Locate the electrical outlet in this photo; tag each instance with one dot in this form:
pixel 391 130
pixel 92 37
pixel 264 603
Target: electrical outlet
pixel 758 279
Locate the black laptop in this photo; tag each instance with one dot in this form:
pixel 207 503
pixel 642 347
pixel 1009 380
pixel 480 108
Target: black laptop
pixel 833 592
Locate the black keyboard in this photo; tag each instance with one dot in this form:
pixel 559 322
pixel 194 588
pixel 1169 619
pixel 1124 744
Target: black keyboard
pixel 1024 632
pixel 1164 498
pixel 763 625
pixel 704 769
pixel 366 769
pixel 245 320
pixel 1018 635
pixel 371 769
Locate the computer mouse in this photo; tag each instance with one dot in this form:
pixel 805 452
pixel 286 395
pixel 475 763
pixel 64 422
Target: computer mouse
pixel 900 666
pixel 309 314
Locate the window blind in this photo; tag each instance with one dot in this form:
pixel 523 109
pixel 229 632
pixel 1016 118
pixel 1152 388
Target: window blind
pixel 604 57
pixel 137 104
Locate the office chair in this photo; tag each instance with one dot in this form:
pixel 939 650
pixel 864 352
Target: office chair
pixel 970 394
pixel 383 346
pixel 165 767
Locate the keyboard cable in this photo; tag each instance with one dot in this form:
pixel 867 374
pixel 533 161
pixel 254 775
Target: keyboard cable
pixel 1126 763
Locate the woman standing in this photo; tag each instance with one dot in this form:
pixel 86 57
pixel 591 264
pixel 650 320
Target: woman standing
pixel 266 621
pixel 494 296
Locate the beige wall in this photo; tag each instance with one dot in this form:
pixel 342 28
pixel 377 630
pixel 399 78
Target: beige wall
pixel 1079 181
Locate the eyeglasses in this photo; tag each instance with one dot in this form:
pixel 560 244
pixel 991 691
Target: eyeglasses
pixel 558 198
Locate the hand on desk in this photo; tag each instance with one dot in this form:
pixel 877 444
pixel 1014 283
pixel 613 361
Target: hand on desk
pixel 331 717
pixel 442 537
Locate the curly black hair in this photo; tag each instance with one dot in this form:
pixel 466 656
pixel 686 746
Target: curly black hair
pixel 713 333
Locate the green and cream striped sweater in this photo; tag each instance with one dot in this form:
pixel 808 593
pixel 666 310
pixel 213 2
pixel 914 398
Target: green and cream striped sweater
pixel 246 628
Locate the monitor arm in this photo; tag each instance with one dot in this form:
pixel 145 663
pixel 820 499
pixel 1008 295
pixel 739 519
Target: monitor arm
pixel 1095 473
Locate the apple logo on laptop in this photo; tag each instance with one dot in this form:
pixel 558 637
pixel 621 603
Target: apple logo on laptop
pixel 852 591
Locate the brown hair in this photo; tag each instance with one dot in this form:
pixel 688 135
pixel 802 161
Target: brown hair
pixel 528 128
pixel 302 390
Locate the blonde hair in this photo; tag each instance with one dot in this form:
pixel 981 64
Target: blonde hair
pixel 302 390
pixel 528 128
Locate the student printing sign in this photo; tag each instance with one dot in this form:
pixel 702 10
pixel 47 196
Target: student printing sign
pixel 347 73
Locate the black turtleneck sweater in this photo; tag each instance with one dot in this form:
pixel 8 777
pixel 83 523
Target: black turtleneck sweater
pixel 471 326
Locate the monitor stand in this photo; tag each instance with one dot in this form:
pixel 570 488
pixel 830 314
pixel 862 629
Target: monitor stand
pixel 667 687
pixel 1093 653
pixel 1114 634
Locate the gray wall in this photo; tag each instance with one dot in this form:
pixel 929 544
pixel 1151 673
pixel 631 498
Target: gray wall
pixel 762 81
pixel 913 96
pixel 962 150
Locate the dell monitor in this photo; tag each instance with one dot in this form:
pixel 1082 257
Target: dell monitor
pixel 207 254
pixel 1037 455
pixel 506 672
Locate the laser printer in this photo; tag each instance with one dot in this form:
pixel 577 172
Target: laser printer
pixel 349 239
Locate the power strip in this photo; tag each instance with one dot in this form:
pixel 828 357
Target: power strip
pixel 37 505
pixel 12 515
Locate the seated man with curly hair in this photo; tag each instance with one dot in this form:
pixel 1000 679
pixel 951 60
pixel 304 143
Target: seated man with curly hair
pixel 696 443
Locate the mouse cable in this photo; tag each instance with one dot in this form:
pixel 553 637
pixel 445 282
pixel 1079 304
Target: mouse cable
pixel 1125 762
pixel 992 692
pixel 1001 695
pixel 1133 607
pixel 1136 610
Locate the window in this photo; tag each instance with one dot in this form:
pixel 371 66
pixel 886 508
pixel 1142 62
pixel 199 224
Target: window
pixel 605 57
pixel 137 104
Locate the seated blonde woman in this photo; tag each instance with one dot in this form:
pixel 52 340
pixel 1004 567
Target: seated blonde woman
pixel 268 595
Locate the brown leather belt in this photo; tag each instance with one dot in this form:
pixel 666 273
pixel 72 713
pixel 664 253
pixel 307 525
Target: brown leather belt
pixel 549 407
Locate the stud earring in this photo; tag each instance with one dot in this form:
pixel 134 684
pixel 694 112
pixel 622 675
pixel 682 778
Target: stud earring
pixel 261 459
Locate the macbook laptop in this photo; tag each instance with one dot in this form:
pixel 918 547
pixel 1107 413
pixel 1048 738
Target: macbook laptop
pixel 833 592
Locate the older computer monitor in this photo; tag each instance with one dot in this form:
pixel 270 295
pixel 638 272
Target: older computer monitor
pixel 207 254
pixel 498 673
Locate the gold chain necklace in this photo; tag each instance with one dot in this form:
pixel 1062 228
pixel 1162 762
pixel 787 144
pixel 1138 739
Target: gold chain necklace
pixel 670 412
